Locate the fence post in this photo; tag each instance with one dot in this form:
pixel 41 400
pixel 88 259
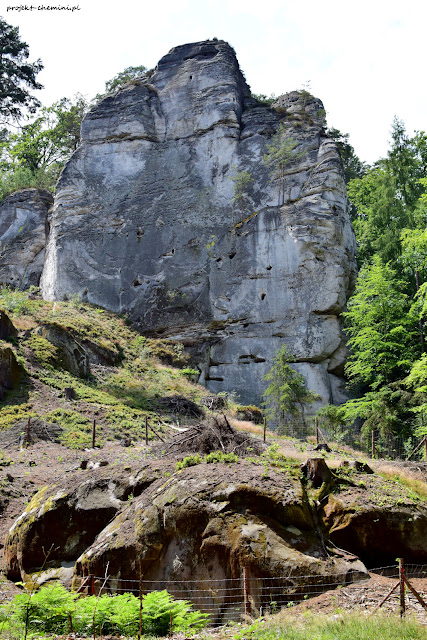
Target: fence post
pixel 27 437
pixel 317 429
pixel 265 429
pixel 146 431
pixel 93 434
pixel 246 578
pixel 402 586
pixel 373 444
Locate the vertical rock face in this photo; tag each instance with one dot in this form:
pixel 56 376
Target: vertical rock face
pixel 23 227
pixel 146 221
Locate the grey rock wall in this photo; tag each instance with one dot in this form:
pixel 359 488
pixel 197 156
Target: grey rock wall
pixel 23 230
pixel 144 222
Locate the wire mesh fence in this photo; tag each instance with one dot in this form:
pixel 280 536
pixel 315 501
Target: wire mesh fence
pixel 231 599
pixel 372 442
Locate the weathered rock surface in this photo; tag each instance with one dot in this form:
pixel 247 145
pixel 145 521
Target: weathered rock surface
pixel 11 371
pixel 203 523
pixel 65 519
pixel 70 354
pixel 207 522
pixel 7 328
pixel 145 222
pixel 377 519
pixel 23 232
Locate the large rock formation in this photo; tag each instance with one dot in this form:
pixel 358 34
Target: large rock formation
pixel 199 526
pixel 146 221
pixel 23 230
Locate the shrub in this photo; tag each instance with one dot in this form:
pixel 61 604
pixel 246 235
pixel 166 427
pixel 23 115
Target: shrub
pixel 188 461
pixel 53 609
pixel 219 456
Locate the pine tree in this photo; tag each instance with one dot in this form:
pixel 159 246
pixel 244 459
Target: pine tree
pixel 287 395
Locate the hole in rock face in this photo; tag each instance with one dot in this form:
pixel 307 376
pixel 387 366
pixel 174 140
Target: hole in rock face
pixel 262 296
pixel 137 282
pixel 191 77
pixel 269 267
pixel 231 255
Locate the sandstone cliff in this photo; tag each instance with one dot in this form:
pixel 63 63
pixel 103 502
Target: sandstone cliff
pixel 146 222
pixel 23 229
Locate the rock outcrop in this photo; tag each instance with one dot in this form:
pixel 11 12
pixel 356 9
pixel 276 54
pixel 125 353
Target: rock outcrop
pixel 11 371
pixel 202 523
pixel 23 232
pixel 147 221
pixel 7 328
pixel 71 355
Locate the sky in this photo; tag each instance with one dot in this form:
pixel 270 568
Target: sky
pixel 363 59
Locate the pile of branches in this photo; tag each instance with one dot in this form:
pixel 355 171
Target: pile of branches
pixel 214 435
pixel 181 405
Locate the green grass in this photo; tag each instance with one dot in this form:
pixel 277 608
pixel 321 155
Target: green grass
pixel 313 626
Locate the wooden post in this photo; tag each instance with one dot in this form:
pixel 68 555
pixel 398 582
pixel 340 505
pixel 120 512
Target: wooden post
pixel 373 444
pixel 317 429
pixel 93 434
pixel 265 429
pixel 146 431
pixel 246 578
pixel 27 437
pixel 402 586
pixel 415 593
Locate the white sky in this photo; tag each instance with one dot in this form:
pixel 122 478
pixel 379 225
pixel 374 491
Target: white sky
pixel 364 59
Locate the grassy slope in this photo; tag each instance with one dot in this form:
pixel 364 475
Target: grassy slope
pixel 119 395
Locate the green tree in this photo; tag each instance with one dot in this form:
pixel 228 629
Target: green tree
pixel 120 80
pixel 387 198
pixel 17 75
pixel 287 396
pixel 382 332
pixel 279 156
pixel 35 155
pixel 353 166
pixel 242 181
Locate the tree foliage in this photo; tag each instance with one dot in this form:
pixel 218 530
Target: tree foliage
pixel 386 315
pixel 120 80
pixel 353 166
pixel 17 75
pixel 35 154
pixel 380 328
pixel 287 396
pixel 280 154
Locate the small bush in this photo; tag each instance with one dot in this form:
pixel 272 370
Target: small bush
pixel 219 456
pixel 188 461
pixel 14 301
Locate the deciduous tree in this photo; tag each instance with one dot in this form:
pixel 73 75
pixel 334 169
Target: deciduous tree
pixel 17 75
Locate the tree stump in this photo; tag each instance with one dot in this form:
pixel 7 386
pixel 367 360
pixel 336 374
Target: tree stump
pixel 317 472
